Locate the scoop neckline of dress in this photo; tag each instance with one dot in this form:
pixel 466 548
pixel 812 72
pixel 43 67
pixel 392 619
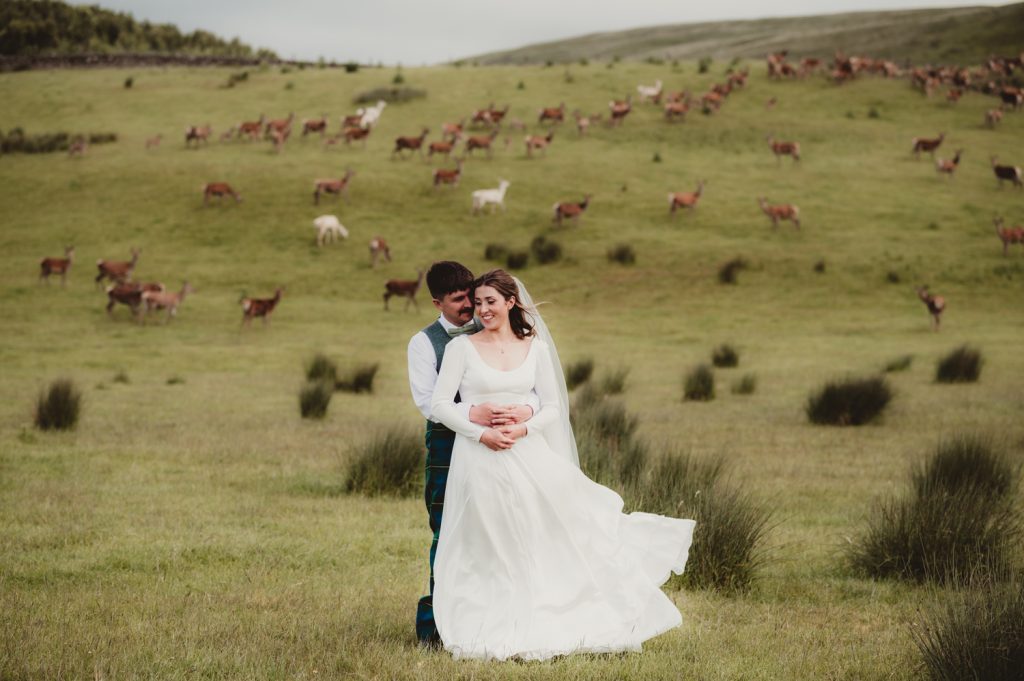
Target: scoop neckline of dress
pixel 502 371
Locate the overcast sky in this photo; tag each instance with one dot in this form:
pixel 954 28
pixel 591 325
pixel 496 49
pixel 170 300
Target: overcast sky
pixel 415 32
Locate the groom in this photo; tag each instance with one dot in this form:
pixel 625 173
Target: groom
pixel 449 284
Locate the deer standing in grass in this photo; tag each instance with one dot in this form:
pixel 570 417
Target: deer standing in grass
pixel 166 300
pixel 490 197
pixel 449 177
pixel 154 141
pixel 260 307
pixel 59 266
pixel 251 128
pixel 927 144
pixel 413 144
pixel 197 134
pixel 584 122
pixel 949 166
pixel 993 117
pixel 554 115
pixel 352 134
pixel 1007 173
pixel 379 248
pixel 785 211
pixel 443 147
pixel 481 142
pixel 129 293
pixel 117 271
pixel 279 125
pixel 339 187
pixel 781 149
pixel 315 125
pixel 78 147
pixel 452 131
pixel 688 200
pixel 220 190
pixel 403 288
pixel 570 210
pixel 539 143
pixel 1008 235
pixel 936 305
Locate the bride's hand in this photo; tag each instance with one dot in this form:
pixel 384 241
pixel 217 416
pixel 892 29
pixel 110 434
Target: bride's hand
pixel 514 431
pixel 512 413
pixel 496 440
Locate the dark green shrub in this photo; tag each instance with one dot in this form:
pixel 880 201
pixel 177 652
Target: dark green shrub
pixel 962 365
pixel 725 355
pixel 321 367
pixel 614 382
pixel 398 78
pixel 699 384
pixel 965 461
pixel 358 380
pixel 609 450
pixel 893 277
pixel 578 373
pixel 495 252
pixel 351 67
pixel 128 82
pixel 819 267
pixel 727 272
pixel 849 402
pixel 656 158
pixel 175 380
pixel 314 398
pixel 517 260
pixel 745 386
pixel 390 462
pixel 121 377
pixel 391 95
pixel 622 254
pixel 545 251
pixel 704 65
pixel 58 407
pixel 899 364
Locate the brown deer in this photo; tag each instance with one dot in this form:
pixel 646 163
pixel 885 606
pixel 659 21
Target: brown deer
pixel 482 116
pixel 539 143
pixel 927 144
pixel 676 110
pixel 584 122
pixel 403 288
pixel 785 211
pixel 78 147
pixel 339 187
pixel 117 271
pixel 481 142
pixel 220 190
pixel 352 134
pixel 781 149
pixel 443 147
pixel 154 141
pixel 954 95
pixel 495 116
pixel 449 177
pixel 570 210
pixel 197 134
pixel 1008 235
pixel 1007 173
pixel 711 102
pixel 59 266
pixel 166 300
pixel 554 115
pixel 251 128
pixel 452 131
pixel 129 293
pixel 619 109
pixel 260 307
pixel 413 144
pixel 949 166
pixel 279 124
pixel 315 125
pixel 379 248
pixel 993 117
pixel 688 200
pixel 279 136
pixel 935 304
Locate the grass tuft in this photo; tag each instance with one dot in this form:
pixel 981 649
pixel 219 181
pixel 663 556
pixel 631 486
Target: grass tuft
pixel 517 260
pixel 579 372
pixel 59 406
pixel 849 402
pixel 899 364
pixel 699 384
pixel 745 385
pixel 622 254
pixel 725 355
pixel 389 463
pixel 495 252
pixel 359 379
pixel 321 368
pixel 545 251
pixel 314 398
pixel 962 365
pixel 614 382
pixel 727 272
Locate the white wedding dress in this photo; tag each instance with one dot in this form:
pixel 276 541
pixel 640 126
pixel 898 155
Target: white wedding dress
pixel 534 558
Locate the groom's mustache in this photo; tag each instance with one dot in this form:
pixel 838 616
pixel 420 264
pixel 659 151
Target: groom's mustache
pixel 465 310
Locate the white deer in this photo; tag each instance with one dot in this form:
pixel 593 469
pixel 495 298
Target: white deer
pixel 327 226
pixel 490 197
pixel 371 114
pixel 648 92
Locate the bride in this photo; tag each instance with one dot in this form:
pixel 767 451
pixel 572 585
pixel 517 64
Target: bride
pixel 535 559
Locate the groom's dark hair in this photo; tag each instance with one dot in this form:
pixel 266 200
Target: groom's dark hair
pixel 447 276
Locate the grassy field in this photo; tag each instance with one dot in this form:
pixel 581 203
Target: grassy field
pixel 956 35
pixel 195 528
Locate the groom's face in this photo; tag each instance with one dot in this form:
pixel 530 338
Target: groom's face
pixel 456 306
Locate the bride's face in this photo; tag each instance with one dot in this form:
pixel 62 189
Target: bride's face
pixel 491 307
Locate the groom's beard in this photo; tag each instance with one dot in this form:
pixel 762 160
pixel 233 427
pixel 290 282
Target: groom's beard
pixel 466 312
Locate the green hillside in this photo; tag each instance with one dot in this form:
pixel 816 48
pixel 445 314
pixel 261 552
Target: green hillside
pixel 965 35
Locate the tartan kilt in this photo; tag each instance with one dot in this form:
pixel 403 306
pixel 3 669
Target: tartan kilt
pixel 439 440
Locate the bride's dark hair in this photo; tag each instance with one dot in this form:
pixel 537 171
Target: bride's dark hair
pixel 519 318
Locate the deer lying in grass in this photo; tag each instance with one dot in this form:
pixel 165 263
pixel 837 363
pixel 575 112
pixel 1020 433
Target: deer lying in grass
pixel 490 197
pixel 688 200
pixel 935 304
pixel 413 144
pixel 651 93
pixel 449 177
pixel 260 307
pixel 251 129
pixel 554 115
pixel 443 147
pixel 315 125
pixel 129 293
pixel 570 210
pixel 339 187
pixel 781 149
pixel 1006 173
pixel 949 166
pixel 117 271
pixel 379 248
pixel 197 134
pixel 220 190
pixel 328 228
pixel 481 142
pixel 1008 235
pixel 993 117
pixel 785 211
pixel 403 288
pixel 166 300
pixel 59 266
pixel 154 141
pixel 537 142
pixel 927 144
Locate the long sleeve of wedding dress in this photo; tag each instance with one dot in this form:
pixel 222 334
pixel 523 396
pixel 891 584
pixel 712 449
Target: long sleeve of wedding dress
pixel 442 406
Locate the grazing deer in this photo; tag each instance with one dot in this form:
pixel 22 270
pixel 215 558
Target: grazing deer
pixel 328 228
pixel 443 147
pixel 570 210
pixel 993 117
pixel 315 125
pixel 554 115
pixel 410 143
pixel 154 141
pixel 117 271
pixel 129 293
pixel 785 211
pixel 949 166
pixel 220 190
pixel 538 142
pixel 260 307
pixel 1008 235
pixel 279 125
pixel 651 93
pixel 490 197
pixel 1007 173
pixel 279 136
pixel 251 128
pixel 379 248
pixel 197 134
pixel 449 177
pixel 166 300
pixel 480 142
pixel 935 304
pixel 781 149
pixel 356 134
pixel 403 288
pixel 688 200
pixel 59 266
pixel 78 147
pixel 337 187
pixel 927 144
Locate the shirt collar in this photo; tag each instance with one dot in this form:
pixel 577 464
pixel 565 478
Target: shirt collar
pixel 447 324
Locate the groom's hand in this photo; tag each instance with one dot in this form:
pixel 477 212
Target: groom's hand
pixel 484 414
pixel 496 440
pixel 511 414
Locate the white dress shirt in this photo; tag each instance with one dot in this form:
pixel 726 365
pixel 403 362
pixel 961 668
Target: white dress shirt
pixel 423 374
